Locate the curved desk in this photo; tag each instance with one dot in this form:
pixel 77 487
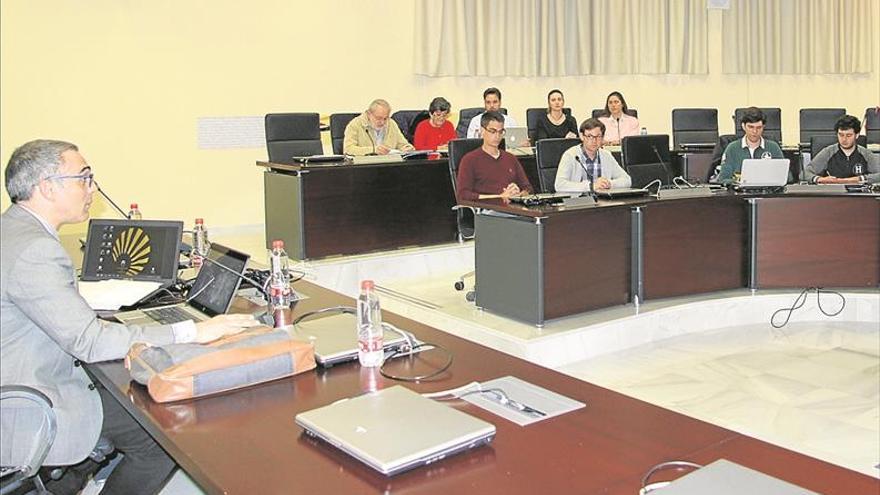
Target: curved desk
pixel 536 264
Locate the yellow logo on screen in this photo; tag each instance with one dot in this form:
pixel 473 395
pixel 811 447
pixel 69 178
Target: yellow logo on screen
pixel 131 251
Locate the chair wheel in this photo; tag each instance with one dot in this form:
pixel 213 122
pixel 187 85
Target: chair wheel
pixel 471 296
pixel 459 285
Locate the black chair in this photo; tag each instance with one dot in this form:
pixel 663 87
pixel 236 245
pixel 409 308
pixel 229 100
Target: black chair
pixel 818 122
pixel 872 125
pixel 819 143
pixel 464 216
pixel 338 121
pixel 646 159
pixel 405 121
pixel 597 112
pixel 292 134
pixel 694 126
pixel 464 119
pixel 772 123
pixel 724 141
pixel 547 155
pixel 534 114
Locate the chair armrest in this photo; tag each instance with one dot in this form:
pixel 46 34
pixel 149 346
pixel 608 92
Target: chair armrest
pixel 45 437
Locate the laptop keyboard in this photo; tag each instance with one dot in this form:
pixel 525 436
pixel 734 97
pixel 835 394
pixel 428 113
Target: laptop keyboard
pixel 168 315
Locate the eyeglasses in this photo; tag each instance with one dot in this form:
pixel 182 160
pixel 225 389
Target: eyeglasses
pixel 88 179
pixel 592 137
pixel 495 131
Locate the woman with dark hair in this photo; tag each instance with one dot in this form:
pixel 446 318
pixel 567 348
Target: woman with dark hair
pixel 555 123
pixel 434 132
pixel 618 123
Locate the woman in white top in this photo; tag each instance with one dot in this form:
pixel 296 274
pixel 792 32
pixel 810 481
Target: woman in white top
pixel 618 123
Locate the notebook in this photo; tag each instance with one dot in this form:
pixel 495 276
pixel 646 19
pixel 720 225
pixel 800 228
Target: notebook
pixel 335 338
pixel 622 192
pixel 395 429
pixel 764 172
pixel 540 199
pixel 143 250
pixel 211 293
pixel 723 477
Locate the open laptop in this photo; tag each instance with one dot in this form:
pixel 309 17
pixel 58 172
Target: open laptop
pixel 516 141
pixel 395 429
pixel 763 172
pixel 335 338
pixel 143 250
pixel 211 293
pixel 723 477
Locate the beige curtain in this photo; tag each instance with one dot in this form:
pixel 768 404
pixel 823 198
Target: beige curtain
pixel 560 37
pixel 798 36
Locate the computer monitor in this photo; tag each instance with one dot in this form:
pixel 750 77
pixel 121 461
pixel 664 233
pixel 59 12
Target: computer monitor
pixel 647 158
pixel 132 249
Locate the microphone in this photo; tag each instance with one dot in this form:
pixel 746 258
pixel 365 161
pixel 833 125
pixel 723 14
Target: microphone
pixel 618 128
pixel 589 175
pixel 372 141
pixel 124 215
pixel 662 163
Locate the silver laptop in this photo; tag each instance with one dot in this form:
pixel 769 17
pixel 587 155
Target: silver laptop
pixel 516 137
pixel 211 293
pixel 395 429
pixel 764 172
pixel 723 477
pixel 335 338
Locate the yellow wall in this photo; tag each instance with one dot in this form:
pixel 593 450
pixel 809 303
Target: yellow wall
pixel 127 80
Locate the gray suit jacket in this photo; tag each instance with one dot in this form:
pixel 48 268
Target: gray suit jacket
pixel 45 326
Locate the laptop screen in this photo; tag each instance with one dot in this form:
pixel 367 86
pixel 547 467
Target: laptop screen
pixel 218 280
pixel 132 249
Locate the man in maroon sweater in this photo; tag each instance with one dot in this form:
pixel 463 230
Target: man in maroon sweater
pixel 489 172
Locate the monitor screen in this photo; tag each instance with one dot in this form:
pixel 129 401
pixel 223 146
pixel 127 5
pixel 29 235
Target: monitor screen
pixel 132 249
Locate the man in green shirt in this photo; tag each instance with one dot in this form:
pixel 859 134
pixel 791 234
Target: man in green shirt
pixel 752 145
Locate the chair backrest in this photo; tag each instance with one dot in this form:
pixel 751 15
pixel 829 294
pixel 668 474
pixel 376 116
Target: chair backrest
pixel 694 126
pixel 292 134
pixel 818 122
pixel 534 114
pixel 872 124
pixel 464 119
pixel 32 418
pixel 338 121
pixel 772 123
pixel 404 120
pixel 597 112
pixel 647 158
pixel 547 154
pixel 723 141
pixel 464 217
pixel 820 142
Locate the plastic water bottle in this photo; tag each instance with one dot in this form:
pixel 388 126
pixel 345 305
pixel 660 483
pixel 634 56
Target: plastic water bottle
pixel 644 131
pixel 279 285
pixel 371 348
pixel 134 213
pixel 200 243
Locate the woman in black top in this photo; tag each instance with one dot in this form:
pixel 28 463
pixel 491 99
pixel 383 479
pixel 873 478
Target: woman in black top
pixel 555 124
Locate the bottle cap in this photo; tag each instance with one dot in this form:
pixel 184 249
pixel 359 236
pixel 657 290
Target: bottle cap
pixel 367 285
pixel 133 206
pixel 277 243
pixel 200 221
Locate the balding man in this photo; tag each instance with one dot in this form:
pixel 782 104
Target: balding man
pixel 374 133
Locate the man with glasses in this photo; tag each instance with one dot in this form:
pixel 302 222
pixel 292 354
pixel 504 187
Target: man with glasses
pixel 589 167
pixel 374 132
pixel 845 162
pixel 752 145
pixel 47 329
pixel 492 103
pixel 488 171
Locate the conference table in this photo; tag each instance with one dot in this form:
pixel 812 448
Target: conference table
pixel 246 441
pixel 539 263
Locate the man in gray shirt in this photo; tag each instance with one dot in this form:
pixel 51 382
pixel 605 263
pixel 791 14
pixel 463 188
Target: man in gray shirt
pixel 587 166
pixel 845 162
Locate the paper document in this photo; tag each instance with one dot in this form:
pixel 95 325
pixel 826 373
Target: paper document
pixel 111 294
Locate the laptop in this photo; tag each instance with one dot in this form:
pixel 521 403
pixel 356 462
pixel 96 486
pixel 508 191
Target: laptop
pixel 621 192
pixel 764 172
pixel 696 146
pixel 517 138
pixel 211 293
pixel 540 199
pixel 395 429
pixel 335 338
pixel 305 160
pixel 723 477
pixel 142 250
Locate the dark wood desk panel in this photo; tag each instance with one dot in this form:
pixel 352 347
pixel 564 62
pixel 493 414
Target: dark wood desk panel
pixel 694 245
pixel 829 241
pixel 586 260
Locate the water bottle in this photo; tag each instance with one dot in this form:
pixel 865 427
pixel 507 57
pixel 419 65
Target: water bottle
pixel 200 243
pixel 644 131
pixel 371 348
pixel 279 285
pixel 134 213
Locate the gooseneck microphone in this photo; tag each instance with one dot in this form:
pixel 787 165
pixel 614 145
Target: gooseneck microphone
pixel 124 215
pixel 372 141
pixel 589 175
pixel 618 128
pixel 662 163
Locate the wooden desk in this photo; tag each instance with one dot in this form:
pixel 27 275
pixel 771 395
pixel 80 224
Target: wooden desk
pixel 246 442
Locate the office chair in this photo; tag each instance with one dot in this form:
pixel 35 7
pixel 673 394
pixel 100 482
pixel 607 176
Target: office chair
pixel 547 155
pixel 597 112
pixel 724 141
pixel 818 143
pixel 464 119
pixel 338 121
pixel 694 126
pixel 772 123
pixel 534 114
pixel 36 421
pixel 464 214
pixel 818 122
pixel 646 159
pixel 405 121
pixel 872 125
pixel 292 134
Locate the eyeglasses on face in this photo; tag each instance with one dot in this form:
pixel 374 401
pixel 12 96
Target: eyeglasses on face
pixel 495 131
pixel 592 137
pixel 88 178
